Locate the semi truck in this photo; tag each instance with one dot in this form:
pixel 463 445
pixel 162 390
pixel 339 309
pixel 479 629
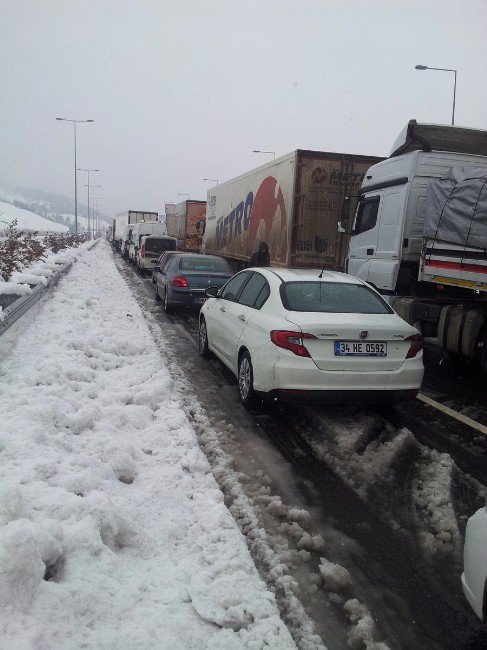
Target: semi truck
pixel 294 204
pixel 123 219
pixel 186 222
pixel 420 234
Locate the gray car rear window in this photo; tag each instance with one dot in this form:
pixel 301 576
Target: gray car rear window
pixel 202 263
pixel 332 297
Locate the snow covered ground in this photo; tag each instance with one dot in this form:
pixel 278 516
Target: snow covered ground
pixel 27 220
pixel 113 531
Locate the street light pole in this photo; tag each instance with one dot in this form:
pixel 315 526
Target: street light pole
pixel 93 220
pixel 258 151
pixel 88 186
pixel 75 122
pixel 425 67
pixel 95 210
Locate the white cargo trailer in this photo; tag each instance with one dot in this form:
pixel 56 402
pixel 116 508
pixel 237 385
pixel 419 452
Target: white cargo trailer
pixel 123 219
pixel 294 203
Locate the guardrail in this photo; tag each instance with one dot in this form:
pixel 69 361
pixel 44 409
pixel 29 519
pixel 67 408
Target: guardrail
pixel 18 308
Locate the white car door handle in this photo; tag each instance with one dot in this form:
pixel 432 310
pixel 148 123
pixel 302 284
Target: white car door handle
pixel 242 317
pixel 222 309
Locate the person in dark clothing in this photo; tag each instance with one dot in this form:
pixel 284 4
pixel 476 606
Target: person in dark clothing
pixel 261 257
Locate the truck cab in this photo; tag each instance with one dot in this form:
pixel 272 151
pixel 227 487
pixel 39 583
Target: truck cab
pixel 387 235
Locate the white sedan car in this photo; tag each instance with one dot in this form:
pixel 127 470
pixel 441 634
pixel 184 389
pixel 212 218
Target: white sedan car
pixel 474 577
pixel 310 335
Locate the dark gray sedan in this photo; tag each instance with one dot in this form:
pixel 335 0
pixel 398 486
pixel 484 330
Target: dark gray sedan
pixel 182 282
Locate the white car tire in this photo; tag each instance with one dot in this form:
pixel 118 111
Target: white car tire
pixel 245 380
pixel 203 339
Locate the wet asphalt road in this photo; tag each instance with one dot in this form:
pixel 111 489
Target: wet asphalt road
pixel 415 604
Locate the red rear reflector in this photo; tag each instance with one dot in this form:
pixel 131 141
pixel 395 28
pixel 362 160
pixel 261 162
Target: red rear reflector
pixel 416 345
pixel 179 282
pixel 142 251
pixel 292 341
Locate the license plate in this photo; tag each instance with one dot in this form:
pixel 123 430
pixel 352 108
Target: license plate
pixel 362 349
pixel 199 301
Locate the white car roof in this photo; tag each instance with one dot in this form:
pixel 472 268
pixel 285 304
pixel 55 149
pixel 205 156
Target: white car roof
pixel 310 275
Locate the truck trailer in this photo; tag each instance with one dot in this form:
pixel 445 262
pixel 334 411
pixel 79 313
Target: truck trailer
pixel 294 203
pixel 420 234
pixel 186 222
pixel 123 219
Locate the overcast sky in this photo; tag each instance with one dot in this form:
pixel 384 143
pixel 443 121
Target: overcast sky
pixel 181 90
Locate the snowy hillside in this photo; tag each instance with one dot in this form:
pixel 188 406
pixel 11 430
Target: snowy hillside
pixel 49 205
pixel 27 220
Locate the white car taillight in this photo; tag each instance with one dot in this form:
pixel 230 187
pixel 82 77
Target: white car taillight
pixel 417 342
pixel 292 341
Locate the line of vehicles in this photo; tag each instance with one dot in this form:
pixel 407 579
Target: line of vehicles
pixel 409 231
pixel 413 226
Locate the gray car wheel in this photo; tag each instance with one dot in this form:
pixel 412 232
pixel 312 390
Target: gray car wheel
pixel 167 306
pixel 157 296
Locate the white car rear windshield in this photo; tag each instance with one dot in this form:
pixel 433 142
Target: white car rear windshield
pixel 335 297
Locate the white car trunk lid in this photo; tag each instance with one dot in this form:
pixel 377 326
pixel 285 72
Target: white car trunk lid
pixel 330 328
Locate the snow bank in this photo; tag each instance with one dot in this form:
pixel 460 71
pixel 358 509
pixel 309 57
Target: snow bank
pixel 27 220
pixel 113 532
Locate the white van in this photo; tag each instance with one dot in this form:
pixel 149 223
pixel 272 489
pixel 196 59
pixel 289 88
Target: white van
pixel 139 230
pixel 151 248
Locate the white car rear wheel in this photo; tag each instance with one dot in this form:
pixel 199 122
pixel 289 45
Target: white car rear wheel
pixel 245 380
pixel 203 339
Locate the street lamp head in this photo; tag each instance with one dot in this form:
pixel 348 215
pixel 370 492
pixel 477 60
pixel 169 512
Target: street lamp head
pixel 90 120
pixel 60 118
pixel 421 67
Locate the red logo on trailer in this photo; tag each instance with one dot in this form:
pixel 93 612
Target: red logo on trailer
pixel 318 175
pixel 268 205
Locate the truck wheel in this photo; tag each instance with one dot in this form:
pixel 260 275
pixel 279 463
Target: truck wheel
pixel 246 380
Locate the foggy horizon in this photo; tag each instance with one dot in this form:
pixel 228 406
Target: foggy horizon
pixel 182 90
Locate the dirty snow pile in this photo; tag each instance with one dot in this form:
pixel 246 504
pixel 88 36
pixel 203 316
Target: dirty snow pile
pixel 113 532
